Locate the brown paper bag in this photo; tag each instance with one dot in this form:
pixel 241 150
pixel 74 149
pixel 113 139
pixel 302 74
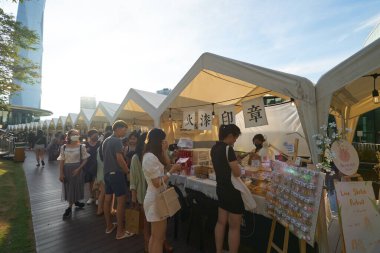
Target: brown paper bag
pixel 167 203
pixel 133 221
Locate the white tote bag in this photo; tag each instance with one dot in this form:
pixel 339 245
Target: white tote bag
pixel 246 195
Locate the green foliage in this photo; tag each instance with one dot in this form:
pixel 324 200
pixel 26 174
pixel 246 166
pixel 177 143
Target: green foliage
pixel 14 37
pixel 16 230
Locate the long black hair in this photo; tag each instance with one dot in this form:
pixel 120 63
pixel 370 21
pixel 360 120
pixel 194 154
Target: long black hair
pixel 153 143
pixel 140 146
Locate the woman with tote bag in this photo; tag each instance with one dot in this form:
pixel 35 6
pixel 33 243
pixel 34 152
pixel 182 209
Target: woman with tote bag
pixel 154 161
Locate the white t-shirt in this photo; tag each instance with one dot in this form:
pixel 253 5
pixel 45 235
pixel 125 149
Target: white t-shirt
pixel 72 155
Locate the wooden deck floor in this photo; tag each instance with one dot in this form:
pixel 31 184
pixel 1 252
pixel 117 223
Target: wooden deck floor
pixel 84 232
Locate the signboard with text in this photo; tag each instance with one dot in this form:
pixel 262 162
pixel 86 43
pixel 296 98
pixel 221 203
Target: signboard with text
pixel 346 158
pixel 254 113
pixel 359 216
pixel 204 120
pixel 227 115
pixel 188 120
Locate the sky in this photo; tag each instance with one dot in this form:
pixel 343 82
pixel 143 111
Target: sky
pixel 103 48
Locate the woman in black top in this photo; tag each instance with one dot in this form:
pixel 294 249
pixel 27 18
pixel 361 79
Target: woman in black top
pixel 90 169
pixel 230 203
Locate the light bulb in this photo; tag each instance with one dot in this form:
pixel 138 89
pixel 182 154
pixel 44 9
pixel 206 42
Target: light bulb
pixel 375 96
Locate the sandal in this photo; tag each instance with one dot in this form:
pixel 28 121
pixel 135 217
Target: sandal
pixel 126 235
pixel 114 225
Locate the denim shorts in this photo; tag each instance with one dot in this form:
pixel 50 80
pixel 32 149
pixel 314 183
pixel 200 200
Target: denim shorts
pixel 115 183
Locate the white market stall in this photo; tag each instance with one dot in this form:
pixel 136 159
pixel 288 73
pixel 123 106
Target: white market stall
pixel 71 119
pixel 345 93
pixel 82 123
pixel 139 109
pixel 215 81
pixel 61 124
pixel 103 115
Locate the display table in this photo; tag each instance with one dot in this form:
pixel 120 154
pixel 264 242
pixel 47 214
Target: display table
pixel 208 187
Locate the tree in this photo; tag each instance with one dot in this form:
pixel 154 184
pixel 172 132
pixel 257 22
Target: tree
pixel 13 38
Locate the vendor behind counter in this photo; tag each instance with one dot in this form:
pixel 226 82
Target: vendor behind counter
pixel 261 151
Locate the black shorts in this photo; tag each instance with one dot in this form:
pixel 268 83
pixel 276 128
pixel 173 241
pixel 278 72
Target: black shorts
pixel 230 200
pixel 115 183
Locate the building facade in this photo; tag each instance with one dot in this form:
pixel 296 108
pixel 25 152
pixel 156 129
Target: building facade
pixel 31 15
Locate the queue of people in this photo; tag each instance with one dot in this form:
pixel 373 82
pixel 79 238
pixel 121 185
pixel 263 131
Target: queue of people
pixel 143 164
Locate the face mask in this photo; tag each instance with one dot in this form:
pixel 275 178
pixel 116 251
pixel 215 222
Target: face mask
pixel 74 138
pixel 258 146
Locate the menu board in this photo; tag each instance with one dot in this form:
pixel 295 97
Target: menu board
pixel 294 197
pixel 359 216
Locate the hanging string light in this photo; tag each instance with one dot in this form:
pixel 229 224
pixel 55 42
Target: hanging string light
pixel 213 110
pixel 375 92
pixel 170 113
pixel 292 102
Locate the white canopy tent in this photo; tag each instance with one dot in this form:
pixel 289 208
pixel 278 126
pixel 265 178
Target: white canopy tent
pixel 103 115
pixel 61 123
pixel 140 108
pixel 53 124
pixel 224 81
pixel 71 119
pixel 345 93
pixel 282 138
pixel 46 124
pixel 83 120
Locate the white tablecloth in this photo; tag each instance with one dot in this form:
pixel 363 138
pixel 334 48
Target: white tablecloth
pixel 208 187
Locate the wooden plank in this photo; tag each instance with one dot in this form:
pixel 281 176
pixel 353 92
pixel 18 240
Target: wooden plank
pixel 84 231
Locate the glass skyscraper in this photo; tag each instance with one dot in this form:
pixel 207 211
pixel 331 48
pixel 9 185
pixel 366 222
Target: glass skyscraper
pixel 31 15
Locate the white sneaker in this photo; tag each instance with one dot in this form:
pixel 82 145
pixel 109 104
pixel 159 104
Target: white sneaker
pixel 90 201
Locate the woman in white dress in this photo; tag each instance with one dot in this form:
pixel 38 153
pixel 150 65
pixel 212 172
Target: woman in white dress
pixel 73 157
pixel 154 161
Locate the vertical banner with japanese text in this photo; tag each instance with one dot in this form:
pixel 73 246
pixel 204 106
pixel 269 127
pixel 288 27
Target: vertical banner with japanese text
pixel 204 120
pixel 188 120
pixel 227 115
pixel 254 113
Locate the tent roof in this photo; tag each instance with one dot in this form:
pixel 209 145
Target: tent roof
pixel 346 84
pixel 71 117
pixel 85 115
pixel 104 112
pixel 224 81
pixel 62 121
pixel 212 73
pixel 139 105
pixel 46 123
pixel 53 123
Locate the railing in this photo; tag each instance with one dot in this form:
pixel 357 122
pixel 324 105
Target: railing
pixel 7 145
pixel 359 146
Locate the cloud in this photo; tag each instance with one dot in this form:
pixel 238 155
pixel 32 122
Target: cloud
pixel 368 23
pixel 312 68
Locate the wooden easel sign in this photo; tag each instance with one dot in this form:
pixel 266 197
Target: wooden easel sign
pixel 359 217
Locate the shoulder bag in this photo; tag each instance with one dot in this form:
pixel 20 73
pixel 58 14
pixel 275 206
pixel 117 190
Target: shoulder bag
pixel 167 202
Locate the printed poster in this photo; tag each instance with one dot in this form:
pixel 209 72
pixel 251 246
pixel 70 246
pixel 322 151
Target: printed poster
pixel 359 216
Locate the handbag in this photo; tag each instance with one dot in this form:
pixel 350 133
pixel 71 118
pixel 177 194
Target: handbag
pixel 167 202
pixel 246 195
pixel 133 221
